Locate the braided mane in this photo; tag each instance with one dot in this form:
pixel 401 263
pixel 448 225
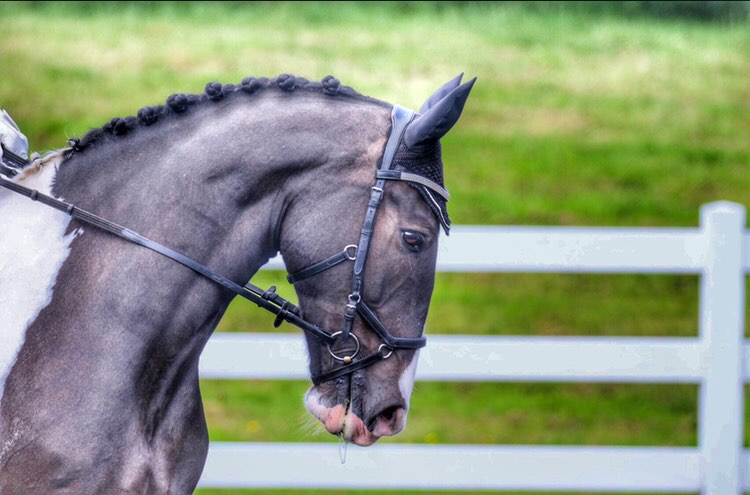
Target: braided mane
pixel 214 92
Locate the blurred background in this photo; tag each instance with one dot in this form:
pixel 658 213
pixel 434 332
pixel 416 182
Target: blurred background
pixel 587 114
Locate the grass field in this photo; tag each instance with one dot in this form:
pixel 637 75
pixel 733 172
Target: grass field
pixel 576 119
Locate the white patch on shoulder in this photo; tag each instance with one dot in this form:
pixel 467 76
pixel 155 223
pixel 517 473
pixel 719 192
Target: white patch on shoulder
pixel 33 247
pixel 406 382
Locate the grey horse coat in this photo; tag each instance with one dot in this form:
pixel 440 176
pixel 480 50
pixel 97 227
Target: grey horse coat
pixel 101 338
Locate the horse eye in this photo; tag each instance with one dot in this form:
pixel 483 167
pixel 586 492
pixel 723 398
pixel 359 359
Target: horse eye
pixel 413 240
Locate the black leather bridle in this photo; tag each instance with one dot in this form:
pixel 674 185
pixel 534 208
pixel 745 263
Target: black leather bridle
pixel 268 299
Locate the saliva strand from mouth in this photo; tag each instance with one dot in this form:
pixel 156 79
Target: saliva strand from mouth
pixel 342 447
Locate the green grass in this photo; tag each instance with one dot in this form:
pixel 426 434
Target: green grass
pixel 576 119
pixel 539 413
pixel 612 305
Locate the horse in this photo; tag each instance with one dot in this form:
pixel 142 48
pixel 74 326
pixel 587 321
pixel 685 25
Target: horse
pixel 102 334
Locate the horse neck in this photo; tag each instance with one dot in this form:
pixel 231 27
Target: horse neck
pixel 213 185
pixel 120 327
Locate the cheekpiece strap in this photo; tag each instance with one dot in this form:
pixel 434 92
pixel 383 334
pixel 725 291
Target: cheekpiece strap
pixel 401 118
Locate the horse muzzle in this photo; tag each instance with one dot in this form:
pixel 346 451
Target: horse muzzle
pixel 383 420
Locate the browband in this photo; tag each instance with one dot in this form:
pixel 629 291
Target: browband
pixel 418 179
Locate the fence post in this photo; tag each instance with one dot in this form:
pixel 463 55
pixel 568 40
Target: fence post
pixel 722 302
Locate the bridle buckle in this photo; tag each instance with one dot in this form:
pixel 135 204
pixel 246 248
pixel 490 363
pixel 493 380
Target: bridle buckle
pixel 353 248
pixel 376 190
pixel 382 354
pixel 354 300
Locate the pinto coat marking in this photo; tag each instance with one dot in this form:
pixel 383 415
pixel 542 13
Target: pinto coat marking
pixel 33 247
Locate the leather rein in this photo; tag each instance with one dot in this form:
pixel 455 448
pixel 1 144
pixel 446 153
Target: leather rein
pixel 269 299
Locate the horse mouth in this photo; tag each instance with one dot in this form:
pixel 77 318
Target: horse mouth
pixel 341 421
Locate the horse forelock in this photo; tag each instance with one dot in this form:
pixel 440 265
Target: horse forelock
pixel 214 92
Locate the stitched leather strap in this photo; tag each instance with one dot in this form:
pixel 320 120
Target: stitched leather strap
pixel 322 265
pixel 348 368
pixel 401 118
pixel 393 342
pixel 7 171
pixel 12 163
pixel 267 300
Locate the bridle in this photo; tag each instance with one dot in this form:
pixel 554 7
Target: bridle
pixel 269 299
pixel 401 118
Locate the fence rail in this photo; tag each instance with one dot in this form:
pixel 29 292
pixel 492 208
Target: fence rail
pixel 717 360
pixel 450 358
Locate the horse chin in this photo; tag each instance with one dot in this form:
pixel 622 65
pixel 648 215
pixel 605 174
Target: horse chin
pixel 338 421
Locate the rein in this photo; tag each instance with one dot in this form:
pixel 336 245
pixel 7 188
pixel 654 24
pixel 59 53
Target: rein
pixel 268 299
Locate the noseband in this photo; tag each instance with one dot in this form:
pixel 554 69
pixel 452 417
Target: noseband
pixel 268 299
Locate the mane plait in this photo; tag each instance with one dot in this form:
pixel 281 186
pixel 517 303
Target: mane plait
pixel 214 92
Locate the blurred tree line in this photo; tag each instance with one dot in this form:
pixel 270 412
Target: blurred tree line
pixel 701 11
pixel 707 11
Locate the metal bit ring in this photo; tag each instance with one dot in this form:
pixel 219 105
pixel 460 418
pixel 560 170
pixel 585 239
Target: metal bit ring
pixel 344 359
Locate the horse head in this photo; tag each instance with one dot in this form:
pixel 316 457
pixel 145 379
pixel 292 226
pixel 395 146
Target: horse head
pixel 393 256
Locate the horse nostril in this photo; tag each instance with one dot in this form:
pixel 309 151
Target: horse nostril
pixel 387 415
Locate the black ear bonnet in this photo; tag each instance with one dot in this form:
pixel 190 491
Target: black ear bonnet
pixel 425 160
pixel 419 152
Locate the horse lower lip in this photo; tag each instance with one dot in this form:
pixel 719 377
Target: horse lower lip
pixel 362 440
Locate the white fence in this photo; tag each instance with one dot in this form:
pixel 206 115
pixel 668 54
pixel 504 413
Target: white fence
pixel 716 361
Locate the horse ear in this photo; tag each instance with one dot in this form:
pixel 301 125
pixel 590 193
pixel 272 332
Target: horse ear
pixel 441 93
pixel 439 119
